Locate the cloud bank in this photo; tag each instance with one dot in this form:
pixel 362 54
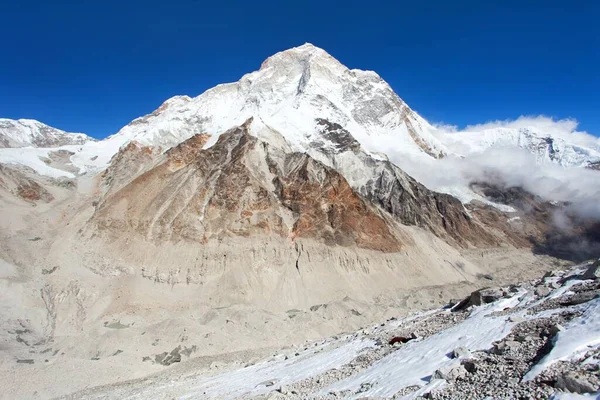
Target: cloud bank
pixel 511 165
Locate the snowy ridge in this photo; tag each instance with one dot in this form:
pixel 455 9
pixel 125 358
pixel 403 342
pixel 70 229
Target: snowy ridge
pixel 547 147
pixel 290 91
pixel 27 132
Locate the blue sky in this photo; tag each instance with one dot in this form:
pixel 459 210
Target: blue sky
pixel 93 66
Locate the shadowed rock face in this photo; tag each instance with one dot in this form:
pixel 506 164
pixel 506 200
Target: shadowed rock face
pixel 413 204
pixel 241 186
pixel 534 223
pixel 334 137
pixel 328 208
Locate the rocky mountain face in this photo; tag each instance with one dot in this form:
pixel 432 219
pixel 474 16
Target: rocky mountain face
pixel 25 132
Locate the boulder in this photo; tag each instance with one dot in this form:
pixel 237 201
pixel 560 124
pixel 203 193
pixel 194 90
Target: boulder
pixel 461 352
pixel 505 347
pixel 486 295
pixel 580 298
pixel 450 373
pixel 575 382
pixel 554 329
pixel 542 291
pixel 167 359
pixel 593 271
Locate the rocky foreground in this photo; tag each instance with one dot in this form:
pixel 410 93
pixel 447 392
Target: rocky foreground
pixel 538 339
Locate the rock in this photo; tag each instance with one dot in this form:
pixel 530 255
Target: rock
pixel 575 382
pixel 401 339
pixel 542 291
pixel 579 298
pixel 469 366
pixel 505 347
pixel 552 274
pixel 461 352
pixel 167 359
pixel 593 271
pixel 554 329
pixel 553 285
pixel 450 373
pixel 486 295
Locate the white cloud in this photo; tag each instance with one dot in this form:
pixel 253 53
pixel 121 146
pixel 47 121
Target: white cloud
pixel 565 129
pixel 509 166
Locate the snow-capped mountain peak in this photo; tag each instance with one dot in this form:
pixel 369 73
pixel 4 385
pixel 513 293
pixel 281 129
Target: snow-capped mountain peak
pixel 29 132
pixel 291 92
pixel 546 145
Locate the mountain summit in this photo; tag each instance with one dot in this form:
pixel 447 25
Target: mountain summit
pixel 290 92
pixel 28 132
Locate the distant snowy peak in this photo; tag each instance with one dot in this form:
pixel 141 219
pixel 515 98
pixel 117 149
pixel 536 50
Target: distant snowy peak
pixel 291 94
pixel 27 132
pixel 545 146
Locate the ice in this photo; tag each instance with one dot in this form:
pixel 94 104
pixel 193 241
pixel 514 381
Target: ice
pixel 415 363
pixel 253 380
pixel 580 335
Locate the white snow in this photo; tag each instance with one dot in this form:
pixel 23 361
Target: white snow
pixel 580 335
pixel 25 132
pixel 575 396
pixel 253 380
pixel 414 363
pixel 30 157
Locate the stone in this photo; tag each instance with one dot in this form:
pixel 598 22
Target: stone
pixel 486 295
pixel 593 271
pixel 461 352
pixel 552 274
pixel 575 382
pixel 505 347
pixel 469 366
pixel 554 329
pixel 167 359
pixel 450 373
pixel 579 298
pixel 542 291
